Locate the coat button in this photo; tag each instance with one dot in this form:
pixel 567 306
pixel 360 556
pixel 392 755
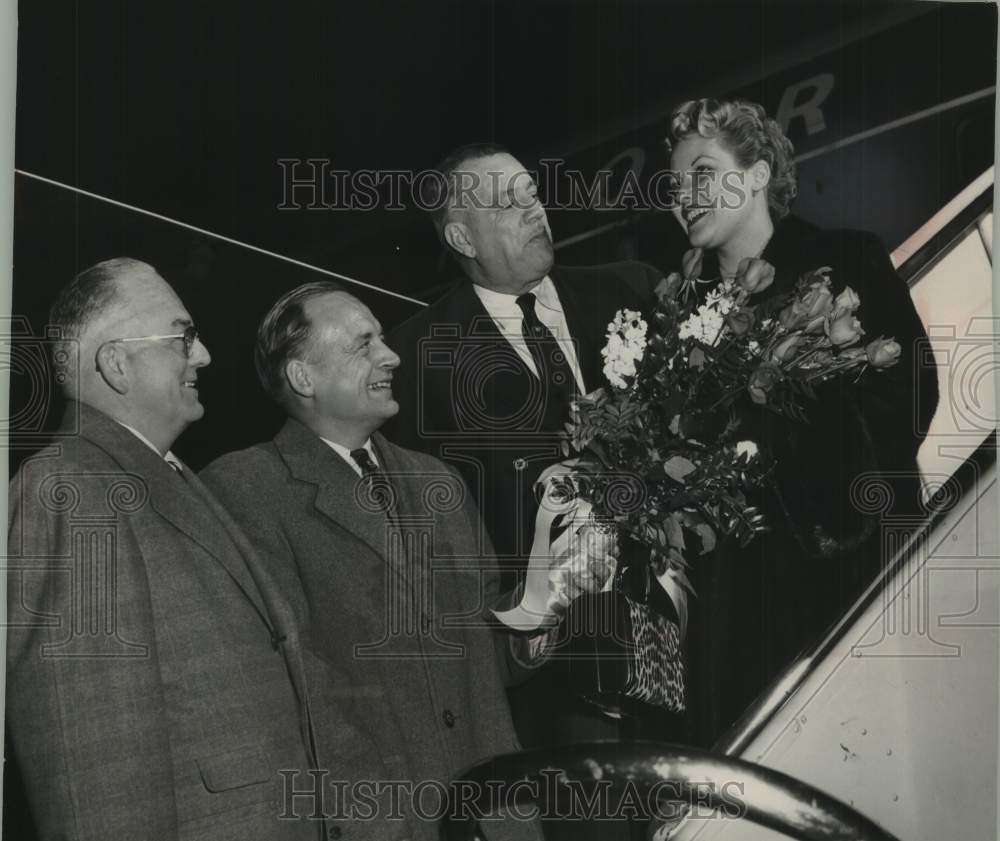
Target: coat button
pixel 449 718
pixel 334 832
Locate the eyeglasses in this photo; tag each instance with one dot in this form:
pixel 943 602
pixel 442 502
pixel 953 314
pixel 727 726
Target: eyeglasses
pixel 190 336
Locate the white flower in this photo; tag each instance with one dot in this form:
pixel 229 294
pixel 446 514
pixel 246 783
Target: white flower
pixel 704 324
pixel 747 449
pixel 722 297
pixel 707 322
pixel 625 347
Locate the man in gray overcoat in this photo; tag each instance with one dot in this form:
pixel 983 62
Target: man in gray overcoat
pixel 156 685
pixel 383 555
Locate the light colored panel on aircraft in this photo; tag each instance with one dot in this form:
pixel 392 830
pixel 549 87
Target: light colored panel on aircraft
pixel 900 719
pixel 954 299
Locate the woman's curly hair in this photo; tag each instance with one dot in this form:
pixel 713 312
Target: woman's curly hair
pixel 749 134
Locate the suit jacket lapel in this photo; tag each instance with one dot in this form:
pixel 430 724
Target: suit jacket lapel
pixel 580 328
pixel 403 477
pixel 480 324
pixel 189 506
pixel 407 561
pixel 340 492
pixel 182 504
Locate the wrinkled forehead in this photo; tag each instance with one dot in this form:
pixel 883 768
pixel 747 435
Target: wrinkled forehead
pixel 484 182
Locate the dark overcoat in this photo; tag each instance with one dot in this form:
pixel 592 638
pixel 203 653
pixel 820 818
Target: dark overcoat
pixel 842 481
pixel 467 398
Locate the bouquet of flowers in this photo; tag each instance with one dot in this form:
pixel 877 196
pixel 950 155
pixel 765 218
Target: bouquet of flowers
pixel 656 460
pixel 658 452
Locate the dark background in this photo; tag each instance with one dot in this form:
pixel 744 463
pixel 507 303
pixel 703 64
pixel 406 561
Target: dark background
pixel 184 109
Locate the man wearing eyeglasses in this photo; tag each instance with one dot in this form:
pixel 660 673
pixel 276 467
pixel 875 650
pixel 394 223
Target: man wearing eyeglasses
pixel 156 682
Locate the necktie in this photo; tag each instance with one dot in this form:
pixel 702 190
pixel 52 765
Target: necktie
pixel 550 359
pixel 380 490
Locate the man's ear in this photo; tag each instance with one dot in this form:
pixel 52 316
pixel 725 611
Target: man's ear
pixel 111 366
pixel 298 378
pixel 760 175
pixel 457 236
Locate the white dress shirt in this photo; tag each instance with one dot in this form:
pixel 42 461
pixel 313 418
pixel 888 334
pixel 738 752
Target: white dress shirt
pixel 169 457
pixel 507 316
pixel 345 453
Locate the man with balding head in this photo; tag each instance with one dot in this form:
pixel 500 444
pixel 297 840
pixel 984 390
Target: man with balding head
pixel 490 369
pixel 155 676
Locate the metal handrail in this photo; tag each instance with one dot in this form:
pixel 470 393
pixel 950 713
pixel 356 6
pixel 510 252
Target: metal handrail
pixel 674 773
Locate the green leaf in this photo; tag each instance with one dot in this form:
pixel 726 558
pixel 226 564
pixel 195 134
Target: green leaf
pixel 677 467
pixel 675 534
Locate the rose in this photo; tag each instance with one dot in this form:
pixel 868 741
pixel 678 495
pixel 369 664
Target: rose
pixel 809 309
pixel 668 286
pixel 691 263
pixel 787 348
pixel 843 328
pixel 817 304
pixel 754 275
pixel 763 381
pixel 848 300
pixel 883 352
pixel 740 321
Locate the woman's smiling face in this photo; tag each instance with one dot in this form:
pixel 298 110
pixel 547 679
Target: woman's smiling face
pixel 714 196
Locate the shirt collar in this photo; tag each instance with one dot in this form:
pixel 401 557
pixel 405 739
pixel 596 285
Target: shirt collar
pixel 345 453
pixel 168 457
pixel 546 294
pixel 544 291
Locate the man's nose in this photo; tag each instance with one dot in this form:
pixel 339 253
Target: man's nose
pixel 199 356
pixel 534 210
pixel 389 359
